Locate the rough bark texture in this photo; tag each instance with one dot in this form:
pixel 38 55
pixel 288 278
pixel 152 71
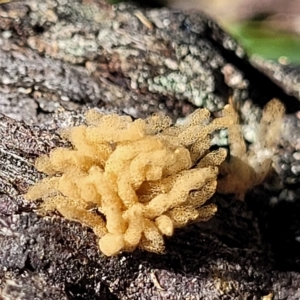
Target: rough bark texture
pixel 56 58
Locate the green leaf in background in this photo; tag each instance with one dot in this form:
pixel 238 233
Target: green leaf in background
pixel 114 1
pixel 261 40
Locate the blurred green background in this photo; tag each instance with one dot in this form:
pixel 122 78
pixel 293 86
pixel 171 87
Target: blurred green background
pixel 268 28
pixel 283 47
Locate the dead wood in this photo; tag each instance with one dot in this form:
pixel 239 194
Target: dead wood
pixel 60 55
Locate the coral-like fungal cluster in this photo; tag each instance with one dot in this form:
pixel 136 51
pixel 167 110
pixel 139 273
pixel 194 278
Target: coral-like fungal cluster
pixel 248 167
pixel 131 181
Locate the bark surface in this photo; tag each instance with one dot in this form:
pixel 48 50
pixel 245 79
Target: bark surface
pixel 58 57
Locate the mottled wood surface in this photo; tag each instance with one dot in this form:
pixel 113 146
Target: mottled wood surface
pixel 56 58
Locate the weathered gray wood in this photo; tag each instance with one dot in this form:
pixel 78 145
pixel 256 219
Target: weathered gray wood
pixel 58 53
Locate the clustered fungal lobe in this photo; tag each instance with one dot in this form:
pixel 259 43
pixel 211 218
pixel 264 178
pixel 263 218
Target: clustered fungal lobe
pixel 133 182
pixel 250 166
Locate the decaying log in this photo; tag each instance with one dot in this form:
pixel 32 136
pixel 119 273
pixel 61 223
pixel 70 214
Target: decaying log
pixel 56 58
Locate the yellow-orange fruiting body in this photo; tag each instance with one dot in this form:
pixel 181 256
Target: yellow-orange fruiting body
pixel 133 182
